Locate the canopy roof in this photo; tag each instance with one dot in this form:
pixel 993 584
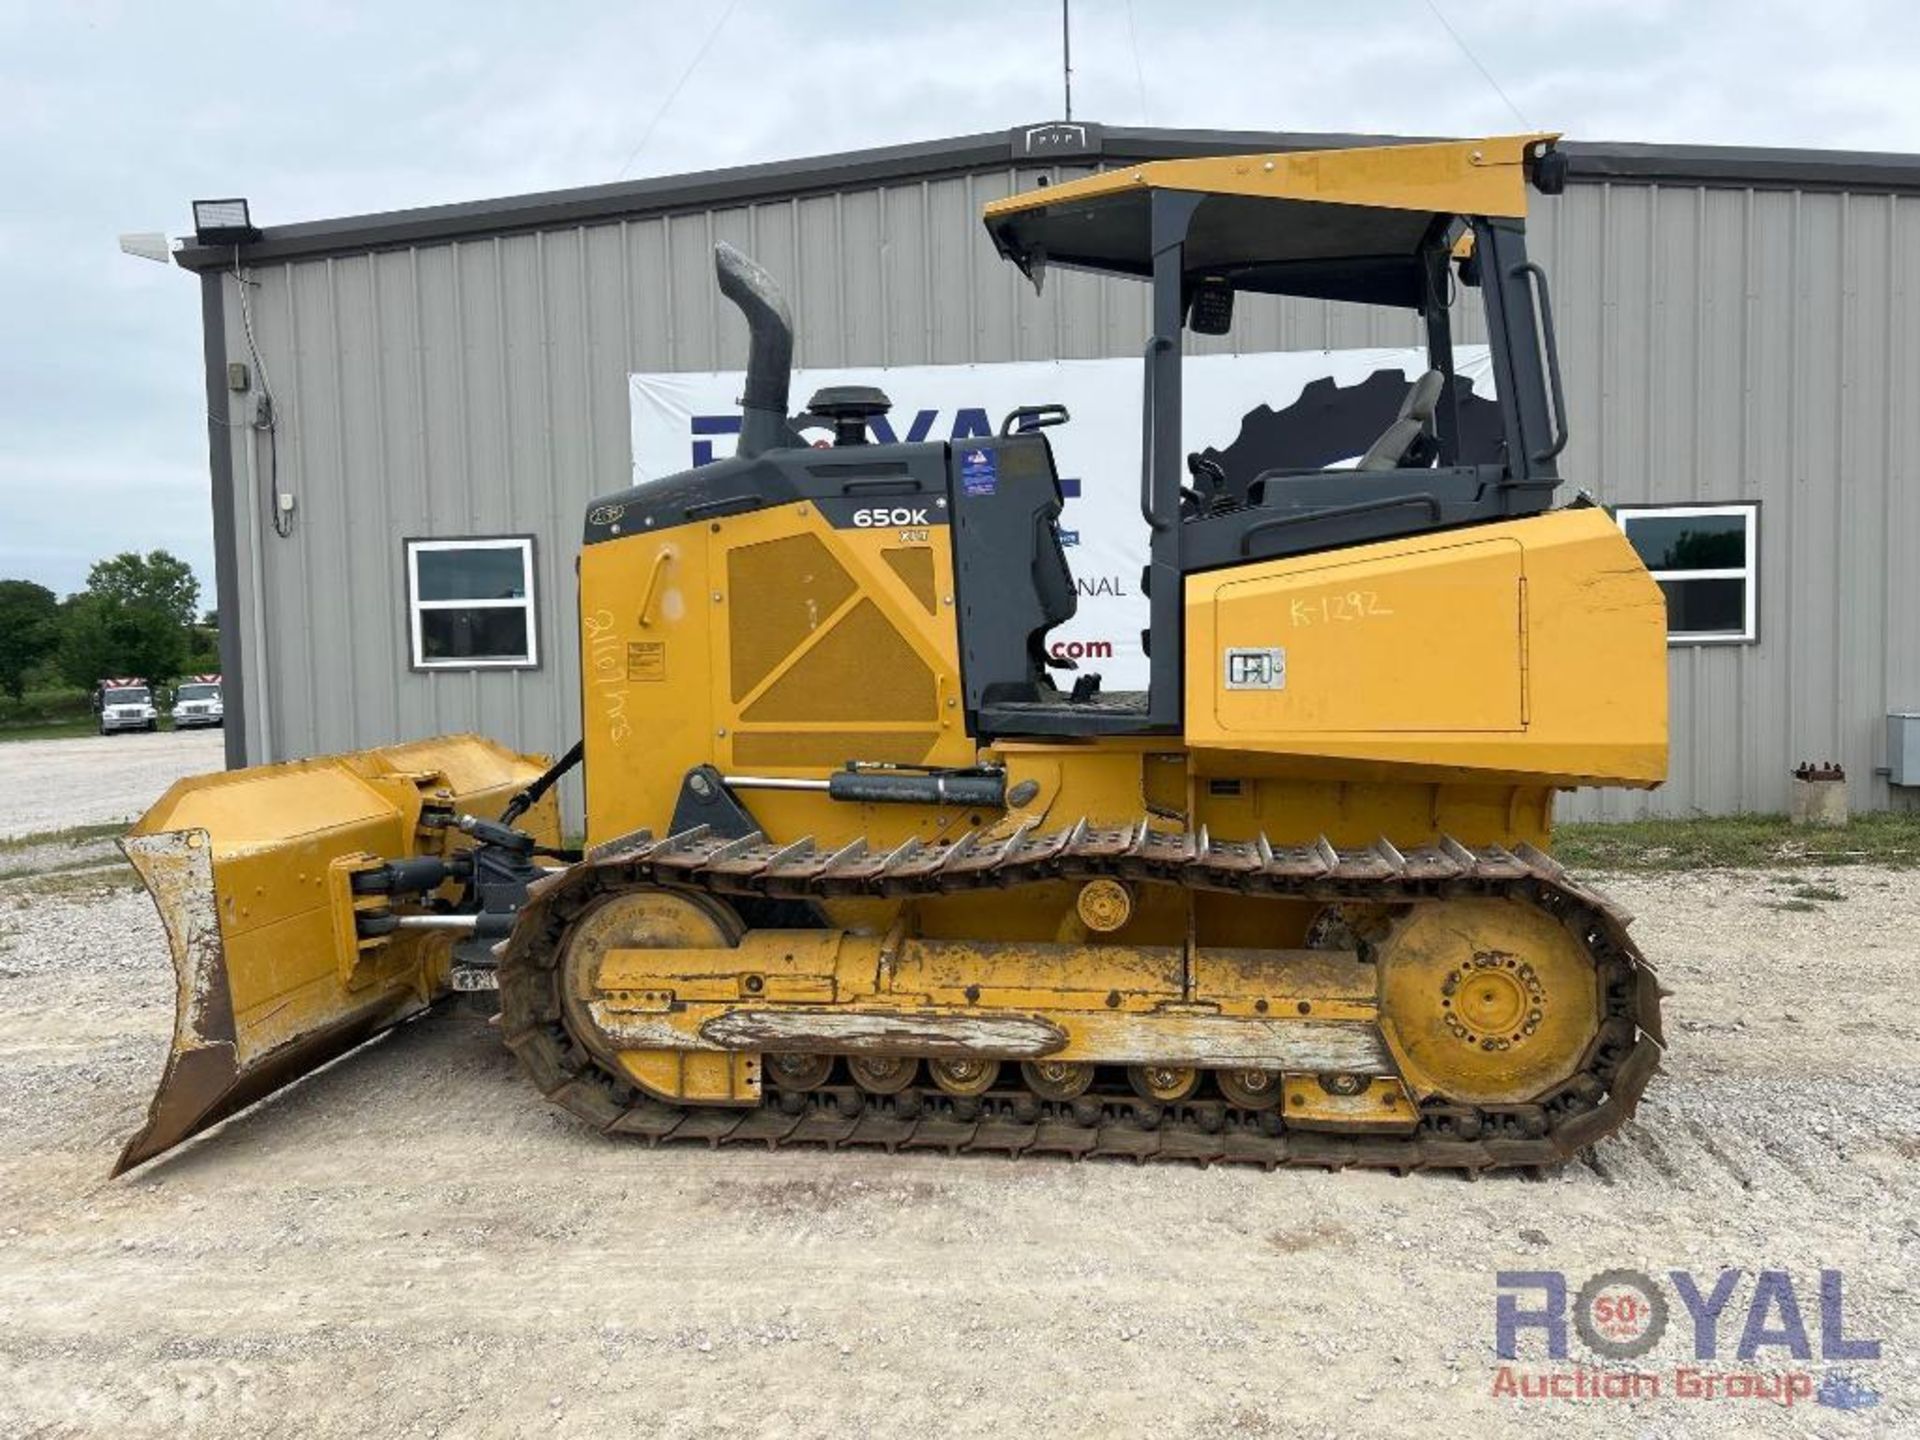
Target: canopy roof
pixel 1342 224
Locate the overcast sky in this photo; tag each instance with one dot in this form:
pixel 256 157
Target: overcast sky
pixel 114 116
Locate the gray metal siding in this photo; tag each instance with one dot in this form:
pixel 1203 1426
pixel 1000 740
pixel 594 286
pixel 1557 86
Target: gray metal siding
pixel 1718 345
pixel 1726 345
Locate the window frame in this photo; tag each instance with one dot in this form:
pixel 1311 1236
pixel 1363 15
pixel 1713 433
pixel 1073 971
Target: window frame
pixel 1748 572
pixel 414 546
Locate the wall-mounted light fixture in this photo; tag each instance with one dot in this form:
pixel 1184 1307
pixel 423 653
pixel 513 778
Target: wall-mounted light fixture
pixel 223 222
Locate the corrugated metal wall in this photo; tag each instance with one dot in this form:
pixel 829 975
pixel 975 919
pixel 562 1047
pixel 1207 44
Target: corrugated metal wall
pixel 1728 345
pixel 1718 345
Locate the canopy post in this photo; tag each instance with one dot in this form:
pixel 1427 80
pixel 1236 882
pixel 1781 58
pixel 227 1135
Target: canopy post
pixel 1172 213
pixel 1439 321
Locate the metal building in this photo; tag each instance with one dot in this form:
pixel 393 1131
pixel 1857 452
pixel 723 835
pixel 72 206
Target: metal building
pixel 1739 330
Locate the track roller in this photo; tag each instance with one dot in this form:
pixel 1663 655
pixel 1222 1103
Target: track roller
pixel 798 1072
pixel 1249 1089
pixel 1057 1079
pixel 964 1075
pixel 883 1074
pixel 1165 1084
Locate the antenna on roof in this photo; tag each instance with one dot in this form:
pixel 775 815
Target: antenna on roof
pixel 1066 53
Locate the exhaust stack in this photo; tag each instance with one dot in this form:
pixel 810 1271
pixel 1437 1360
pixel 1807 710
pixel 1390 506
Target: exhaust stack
pixel 763 424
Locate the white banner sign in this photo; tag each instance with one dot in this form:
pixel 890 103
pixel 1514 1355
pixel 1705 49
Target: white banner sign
pixel 684 419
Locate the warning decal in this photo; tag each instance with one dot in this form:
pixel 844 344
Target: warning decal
pixel 646 660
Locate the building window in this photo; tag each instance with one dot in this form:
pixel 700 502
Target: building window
pixel 1706 560
pixel 471 603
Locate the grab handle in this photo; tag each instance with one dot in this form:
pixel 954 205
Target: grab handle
pixel 1544 301
pixel 1149 501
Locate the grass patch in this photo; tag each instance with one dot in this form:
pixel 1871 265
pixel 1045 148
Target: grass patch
pixel 1798 907
pixel 70 729
pixel 1740 842
pixel 46 730
pixel 46 715
pixel 72 835
pixel 71 884
pixel 61 867
pixel 55 715
pixel 1817 892
pixel 78 850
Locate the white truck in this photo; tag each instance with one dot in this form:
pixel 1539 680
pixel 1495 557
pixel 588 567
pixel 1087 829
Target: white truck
pixel 125 703
pixel 196 701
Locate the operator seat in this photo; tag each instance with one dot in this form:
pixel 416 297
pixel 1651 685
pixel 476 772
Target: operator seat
pixel 1408 442
pixel 1053 588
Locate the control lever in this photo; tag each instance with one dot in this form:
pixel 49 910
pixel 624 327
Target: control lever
pixel 1209 483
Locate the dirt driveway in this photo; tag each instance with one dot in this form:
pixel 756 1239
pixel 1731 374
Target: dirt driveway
pixel 412 1242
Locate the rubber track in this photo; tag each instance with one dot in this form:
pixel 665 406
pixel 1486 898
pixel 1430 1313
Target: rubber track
pixel 1595 1102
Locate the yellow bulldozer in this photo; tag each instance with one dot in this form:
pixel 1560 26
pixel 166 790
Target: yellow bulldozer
pixel 863 866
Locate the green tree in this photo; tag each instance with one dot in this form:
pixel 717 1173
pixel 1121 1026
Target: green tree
pixel 29 630
pixel 203 651
pixel 204 641
pixel 155 580
pixel 133 618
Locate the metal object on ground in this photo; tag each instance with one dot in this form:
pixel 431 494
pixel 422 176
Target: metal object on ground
pixel 1819 796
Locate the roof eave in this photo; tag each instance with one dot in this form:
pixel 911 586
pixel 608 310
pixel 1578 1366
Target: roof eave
pixel 1588 163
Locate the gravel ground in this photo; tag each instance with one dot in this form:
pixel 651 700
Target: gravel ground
pixel 57 784
pixel 412 1242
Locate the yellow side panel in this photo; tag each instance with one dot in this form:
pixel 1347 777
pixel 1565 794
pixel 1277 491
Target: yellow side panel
pixel 647 675
pixel 832 644
pixel 783 589
pixel 1530 651
pixel 768 643
pixel 1418 642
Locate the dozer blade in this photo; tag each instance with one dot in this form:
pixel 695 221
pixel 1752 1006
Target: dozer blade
pixel 251 872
